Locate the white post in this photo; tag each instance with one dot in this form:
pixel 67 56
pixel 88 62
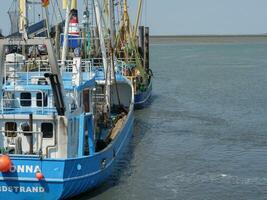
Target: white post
pixel 112 36
pixel 23 12
pixel 47 22
pixel 104 53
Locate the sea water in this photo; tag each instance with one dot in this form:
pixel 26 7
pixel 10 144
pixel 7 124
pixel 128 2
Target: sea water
pixel 204 135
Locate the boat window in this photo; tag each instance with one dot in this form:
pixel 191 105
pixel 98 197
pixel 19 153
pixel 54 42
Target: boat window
pixel 47 129
pixel 41 99
pixel 10 128
pixel 25 99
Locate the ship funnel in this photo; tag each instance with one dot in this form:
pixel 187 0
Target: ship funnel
pixel 5 163
pixel 74 23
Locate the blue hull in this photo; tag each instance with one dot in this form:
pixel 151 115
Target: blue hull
pixel 62 178
pixel 141 99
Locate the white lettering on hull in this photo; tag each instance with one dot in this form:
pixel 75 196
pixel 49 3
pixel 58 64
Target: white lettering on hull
pixel 21 189
pixel 25 169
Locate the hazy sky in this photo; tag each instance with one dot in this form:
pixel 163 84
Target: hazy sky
pixel 180 17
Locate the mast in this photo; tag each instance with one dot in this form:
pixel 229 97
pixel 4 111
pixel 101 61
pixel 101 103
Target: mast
pixel 73 4
pixel 45 5
pixel 23 12
pixel 112 37
pixel 127 36
pixel 66 5
pixel 138 17
pixel 126 22
pixel 104 53
pixel 112 23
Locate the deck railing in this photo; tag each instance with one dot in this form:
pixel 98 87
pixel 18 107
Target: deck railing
pixel 13 106
pixel 28 73
pixel 32 73
pixel 42 105
pixel 24 73
pixel 39 144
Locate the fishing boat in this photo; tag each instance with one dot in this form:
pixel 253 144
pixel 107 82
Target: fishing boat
pixel 64 122
pixel 132 49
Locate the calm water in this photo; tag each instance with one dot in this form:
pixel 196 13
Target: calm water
pixel 205 134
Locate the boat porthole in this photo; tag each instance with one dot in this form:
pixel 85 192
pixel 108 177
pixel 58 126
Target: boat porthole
pixel 103 163
pixel 79 167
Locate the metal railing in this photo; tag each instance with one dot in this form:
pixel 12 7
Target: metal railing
pixel 15 107
pixel 31 72
pixel 28 73
pixel 39 145
pixel 10 105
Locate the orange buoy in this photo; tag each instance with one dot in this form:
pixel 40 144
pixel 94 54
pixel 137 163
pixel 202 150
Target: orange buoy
pixel 5 163
pixel 39 176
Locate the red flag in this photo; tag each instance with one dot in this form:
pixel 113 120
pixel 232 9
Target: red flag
pixel 45 3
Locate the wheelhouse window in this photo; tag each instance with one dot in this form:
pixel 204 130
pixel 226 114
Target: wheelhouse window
pixel 41 99
pixel 10 129
pixel 47 130
pixel 25 99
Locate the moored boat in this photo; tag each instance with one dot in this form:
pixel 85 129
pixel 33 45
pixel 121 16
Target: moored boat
pixel 132 50
pixel 142 96
pixel 72 146
pixel 64 122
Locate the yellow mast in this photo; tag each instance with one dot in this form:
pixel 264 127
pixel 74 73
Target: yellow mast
pixel 140 3
pixel 74 4
pixel 64 4
pixel 22 15
pixel 126 34
pixel 126 22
